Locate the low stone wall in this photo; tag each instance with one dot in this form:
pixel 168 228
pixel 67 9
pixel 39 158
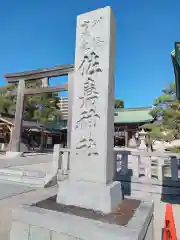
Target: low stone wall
pixel 25 232
pixel 159 165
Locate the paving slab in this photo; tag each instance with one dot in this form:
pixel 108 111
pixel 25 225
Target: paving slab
pixel 12 202
pixel 8 190
pixel 44 167
pixel 159 211
pixel 22 194
pixel 27 160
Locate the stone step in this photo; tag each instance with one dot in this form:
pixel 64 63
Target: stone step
pixel 23 172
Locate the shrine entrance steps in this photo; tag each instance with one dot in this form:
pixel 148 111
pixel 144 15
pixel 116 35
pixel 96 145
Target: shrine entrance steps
pixel 35 171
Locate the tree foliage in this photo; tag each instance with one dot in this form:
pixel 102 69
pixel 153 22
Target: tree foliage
pixel 119 103
pixel 39 107
pixel 7 102
pixel 166 112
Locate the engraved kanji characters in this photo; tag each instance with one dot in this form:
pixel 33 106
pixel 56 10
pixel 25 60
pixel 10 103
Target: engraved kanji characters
pixel 89 64
pixel 88 69
pixel 87 40
pixel 87 144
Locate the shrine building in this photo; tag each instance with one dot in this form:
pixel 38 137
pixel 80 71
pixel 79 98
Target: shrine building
pixel 128 122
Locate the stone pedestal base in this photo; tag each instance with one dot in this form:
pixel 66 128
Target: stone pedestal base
pixel 48 220
pixel 10 154
pixel 98 197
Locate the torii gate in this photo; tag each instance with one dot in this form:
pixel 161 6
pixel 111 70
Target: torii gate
pixel 41 74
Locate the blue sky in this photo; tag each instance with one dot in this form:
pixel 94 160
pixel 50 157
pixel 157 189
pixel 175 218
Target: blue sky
pixel 41 33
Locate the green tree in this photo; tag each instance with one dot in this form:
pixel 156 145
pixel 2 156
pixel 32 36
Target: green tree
pixel 39 107
pixel 119 103
pixel 43 108
pixel 7 101
pixel 166 113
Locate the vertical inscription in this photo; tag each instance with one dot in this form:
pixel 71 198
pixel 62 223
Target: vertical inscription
pixel 89 68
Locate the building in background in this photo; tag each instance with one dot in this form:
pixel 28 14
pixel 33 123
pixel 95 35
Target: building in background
pixel 63 106
pixel 127 122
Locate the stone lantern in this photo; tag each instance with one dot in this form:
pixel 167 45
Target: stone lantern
pixel 142 138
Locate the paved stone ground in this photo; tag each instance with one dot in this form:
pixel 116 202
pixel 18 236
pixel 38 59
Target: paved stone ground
pixel 8 190
pixel 45 167
pixel 159 216
pixel 12 195
pixel 159 211
pixel 6 205
pixel 27 160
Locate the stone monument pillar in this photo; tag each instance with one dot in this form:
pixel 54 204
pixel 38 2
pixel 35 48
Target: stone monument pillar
pixel 92 166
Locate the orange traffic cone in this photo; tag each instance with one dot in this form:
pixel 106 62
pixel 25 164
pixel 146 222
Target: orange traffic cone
pixel 169 232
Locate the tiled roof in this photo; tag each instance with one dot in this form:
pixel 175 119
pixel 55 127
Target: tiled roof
pixel 24 123
pixel 123 115
pixel 132 115
pixel 57 126
pixel 33 124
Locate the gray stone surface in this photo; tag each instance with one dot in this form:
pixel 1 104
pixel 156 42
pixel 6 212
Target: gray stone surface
pixel 9 189
pixel 70 101
pixel 16 132
pixel 39 233
pixel 142 138
pixel 90 195
pixel 12 202
pixel 75 227
pixel 150 232
pixel 13 155
pixel 28 159
pixel 23 147
pixel 7 204
pixel 38 170
pixel 58 236
pixel 91 159
pixel 20 231
pixel 92 166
